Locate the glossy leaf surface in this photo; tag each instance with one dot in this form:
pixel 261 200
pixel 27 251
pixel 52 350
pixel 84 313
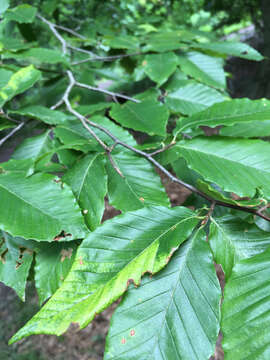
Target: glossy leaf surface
pixel 53 262
pixel 109 259
pixel 139 186
pixel 232 239
pixel 88 180
pixel 173 315
pixel 148 116
pixel 192 98
pixel 15 263
pixel 43 218
pixel 237 165
pixel 228 113
pixel 203 68
pixel 246 308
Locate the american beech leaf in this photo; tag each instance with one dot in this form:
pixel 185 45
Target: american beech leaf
pixel 15 263
pixel 27 210
pixel 139 186
pixel 204 68
pixel 228 113
pixel 53 262
pixel 246 308
pixel 148 116
pixel 19 82
pixel 108 260
pixel 172 315
pixel 88 180
pixel 51 117
pixel 236 165
pixel 233 239
pixel 160 66
pixel 192 98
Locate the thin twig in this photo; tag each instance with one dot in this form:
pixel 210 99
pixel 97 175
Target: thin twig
pixel 6 116
pixel 106 58
pixel 66 45
pixel 17 128
pixel 113 94
pixel 209 214
pixel 72 32
pixel 163 149
pixel 55 32
pixel 175 179
pixel 85 122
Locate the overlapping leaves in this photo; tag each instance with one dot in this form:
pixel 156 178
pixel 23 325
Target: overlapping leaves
pixel 115 254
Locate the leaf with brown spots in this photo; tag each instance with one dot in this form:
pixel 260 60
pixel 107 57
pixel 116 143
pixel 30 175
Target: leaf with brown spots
pixel 107 261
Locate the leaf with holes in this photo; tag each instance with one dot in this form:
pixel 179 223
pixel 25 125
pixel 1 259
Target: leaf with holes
pixel 15 263
pixel 175 314
pixel 236 165
pixel 233 239
pixel 53 262
pixel 109 259
pixel 228 113
pixel 232 48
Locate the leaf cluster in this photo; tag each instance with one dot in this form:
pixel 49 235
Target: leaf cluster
pixel 94 116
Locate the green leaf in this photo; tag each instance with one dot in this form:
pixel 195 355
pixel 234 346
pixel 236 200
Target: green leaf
pixel 52 117
pixel 22 14
pixel 34 147
pixel 88 180
pixel 203 68
pixel 236 165
pixel 140 185
pixel 6 124
pixel 13 44
pixel 167 41
pixel 15 263
pixel 38 56
pixel 93 108
pixel 246 308
pixel 51 214
pixel 175 314
pixel 121 42
pixel 260 128
pixel 19 82
pixel 5 76
pixel 219 195
pixel 73 132
pixel 228 113
pixel 160 66
pixel 192 98
pixel 109 259
pixel 4 5
pixel 53 262
pixel 148 116
pixel 238 49
pixel 16 165
pixel 232 240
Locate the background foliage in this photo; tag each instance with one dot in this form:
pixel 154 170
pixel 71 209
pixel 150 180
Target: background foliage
pixel 101 98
